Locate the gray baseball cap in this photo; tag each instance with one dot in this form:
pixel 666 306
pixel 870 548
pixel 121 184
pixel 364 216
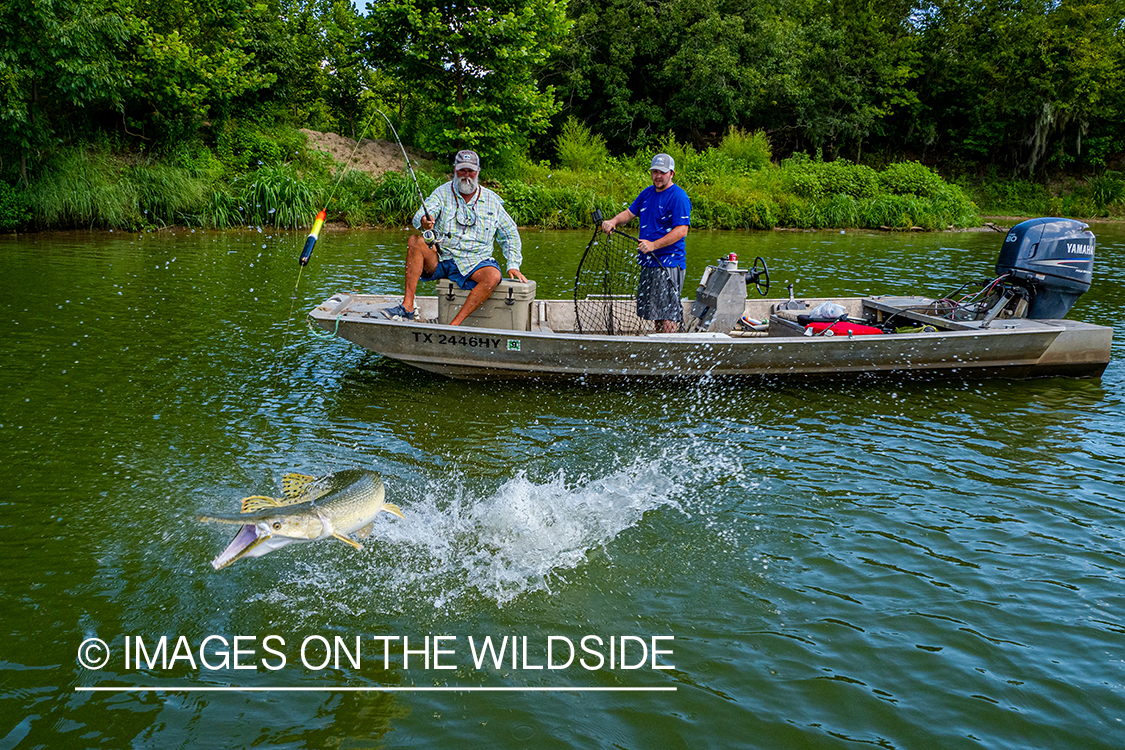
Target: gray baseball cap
pixel 466 160
pixel 663 162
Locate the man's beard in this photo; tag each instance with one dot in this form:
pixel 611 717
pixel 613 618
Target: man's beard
pixel 466 185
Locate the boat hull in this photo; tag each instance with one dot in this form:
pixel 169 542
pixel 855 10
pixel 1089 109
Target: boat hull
pixel 1023 350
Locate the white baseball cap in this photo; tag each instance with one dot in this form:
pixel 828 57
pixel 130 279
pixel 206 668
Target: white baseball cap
pixel 663 163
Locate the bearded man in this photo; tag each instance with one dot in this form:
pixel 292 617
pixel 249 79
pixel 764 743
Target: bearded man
pixel 466 220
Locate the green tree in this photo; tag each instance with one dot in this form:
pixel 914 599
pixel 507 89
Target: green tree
pixel 346 66
pixel 188 57
pixel 854 71
pixel 150 71
pixel 57 59
pixel 1022 82
pixel 475 63
pixel 812 73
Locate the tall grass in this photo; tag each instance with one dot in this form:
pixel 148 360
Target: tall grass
pixel 1107 188
pixel 277 195
pixel 732 186
pixel 166 194
pixel 83 189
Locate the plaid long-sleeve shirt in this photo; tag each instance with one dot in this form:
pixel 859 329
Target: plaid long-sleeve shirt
pixel 469 245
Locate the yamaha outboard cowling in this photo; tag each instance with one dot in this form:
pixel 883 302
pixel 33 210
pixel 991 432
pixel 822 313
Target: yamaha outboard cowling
pixel 1053 259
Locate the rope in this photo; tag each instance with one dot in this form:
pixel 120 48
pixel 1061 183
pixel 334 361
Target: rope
pixel 325 334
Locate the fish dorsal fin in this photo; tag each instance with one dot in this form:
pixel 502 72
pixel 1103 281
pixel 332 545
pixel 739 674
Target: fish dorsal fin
pixel 295 485
pixel 260 502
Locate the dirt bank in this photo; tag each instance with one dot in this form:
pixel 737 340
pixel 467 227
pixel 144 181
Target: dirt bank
pixel 373 157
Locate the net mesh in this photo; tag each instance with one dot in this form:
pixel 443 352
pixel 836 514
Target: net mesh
pixel 605 287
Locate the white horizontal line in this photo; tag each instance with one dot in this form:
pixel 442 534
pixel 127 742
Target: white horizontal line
pixel 381 689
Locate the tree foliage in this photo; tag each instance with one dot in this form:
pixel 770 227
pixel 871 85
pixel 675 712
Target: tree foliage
pixel 1023 81
pixel 1024 85
pixel 474 62
pixel 1020 82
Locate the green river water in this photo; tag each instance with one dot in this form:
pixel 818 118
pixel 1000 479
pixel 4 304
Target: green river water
pixel 864 563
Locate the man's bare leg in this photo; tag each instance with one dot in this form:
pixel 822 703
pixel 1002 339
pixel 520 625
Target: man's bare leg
pixel 419 257
pixel 487 279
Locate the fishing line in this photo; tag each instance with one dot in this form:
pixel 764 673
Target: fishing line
pixel 314 235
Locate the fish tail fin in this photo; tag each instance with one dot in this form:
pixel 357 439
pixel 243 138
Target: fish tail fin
pixel 345 540
pixel 392 508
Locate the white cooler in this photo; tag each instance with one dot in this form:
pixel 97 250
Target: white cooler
pixel 508 307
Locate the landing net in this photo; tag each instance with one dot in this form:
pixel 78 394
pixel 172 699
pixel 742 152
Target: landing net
pixel 605 287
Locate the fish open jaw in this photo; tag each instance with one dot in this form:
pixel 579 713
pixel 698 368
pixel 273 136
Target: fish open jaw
pixel 245 540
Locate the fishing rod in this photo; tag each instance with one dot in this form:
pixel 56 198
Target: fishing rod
pixel 310 242
pixel 427 234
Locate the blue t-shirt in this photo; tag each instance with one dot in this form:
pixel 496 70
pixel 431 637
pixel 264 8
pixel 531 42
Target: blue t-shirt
pixel 660 213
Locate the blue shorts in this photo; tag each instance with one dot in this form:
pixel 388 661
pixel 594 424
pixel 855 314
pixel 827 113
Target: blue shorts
pixel 447 269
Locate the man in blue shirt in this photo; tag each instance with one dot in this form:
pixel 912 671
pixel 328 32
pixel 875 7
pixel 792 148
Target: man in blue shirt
pixel 665 215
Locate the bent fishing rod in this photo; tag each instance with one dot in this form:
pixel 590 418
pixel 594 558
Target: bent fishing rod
pixel 427 234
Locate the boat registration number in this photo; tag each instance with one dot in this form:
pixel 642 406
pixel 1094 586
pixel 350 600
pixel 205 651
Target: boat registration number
pixel 443 339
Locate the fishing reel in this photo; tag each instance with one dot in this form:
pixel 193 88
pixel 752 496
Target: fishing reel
pixel 429 237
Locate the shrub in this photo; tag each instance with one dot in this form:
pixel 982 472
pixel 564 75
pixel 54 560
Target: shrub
pixel 813 178
pixel 747 150
pixel 14 210
pixel 244 147
pixel 910 178
pixel 578 148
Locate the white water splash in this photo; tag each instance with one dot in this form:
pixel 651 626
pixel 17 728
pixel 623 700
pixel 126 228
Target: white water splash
pixel 513 541
pixel 452 546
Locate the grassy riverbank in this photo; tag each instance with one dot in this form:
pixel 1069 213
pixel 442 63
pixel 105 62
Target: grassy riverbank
pixel 251 177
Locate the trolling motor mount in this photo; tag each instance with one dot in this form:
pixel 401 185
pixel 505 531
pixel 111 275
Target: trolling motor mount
pixel 720 299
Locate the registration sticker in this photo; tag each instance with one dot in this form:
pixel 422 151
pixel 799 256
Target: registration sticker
pixel 513 345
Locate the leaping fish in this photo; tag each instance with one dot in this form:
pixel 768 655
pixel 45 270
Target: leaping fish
pixel 309 510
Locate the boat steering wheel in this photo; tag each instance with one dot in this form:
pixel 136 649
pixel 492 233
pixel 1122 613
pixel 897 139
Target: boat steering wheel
pixel 760 278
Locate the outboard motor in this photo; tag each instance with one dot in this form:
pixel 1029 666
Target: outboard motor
pixel 1051 258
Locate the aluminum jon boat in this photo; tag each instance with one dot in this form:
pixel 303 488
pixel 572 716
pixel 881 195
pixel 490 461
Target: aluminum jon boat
pixel 1014 327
